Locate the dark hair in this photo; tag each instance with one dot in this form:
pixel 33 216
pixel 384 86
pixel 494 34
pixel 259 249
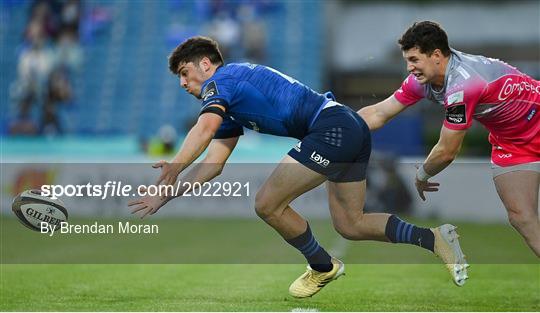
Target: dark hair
pixel 193 50
pixel 426 36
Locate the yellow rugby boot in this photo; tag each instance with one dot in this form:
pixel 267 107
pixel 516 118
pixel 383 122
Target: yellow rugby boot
pixel 312 281
pixel 447 248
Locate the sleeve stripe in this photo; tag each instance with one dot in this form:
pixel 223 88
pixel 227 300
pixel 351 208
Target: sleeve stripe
pixel 214 109
pixel 214 101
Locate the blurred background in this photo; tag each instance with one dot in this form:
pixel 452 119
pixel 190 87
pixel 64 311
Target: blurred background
pixel 88 81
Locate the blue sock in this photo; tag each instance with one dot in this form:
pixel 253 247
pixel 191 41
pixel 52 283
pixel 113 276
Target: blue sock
pixel 399 231
pixel 316 256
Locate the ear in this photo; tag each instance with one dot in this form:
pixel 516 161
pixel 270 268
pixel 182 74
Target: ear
pixel 437 54
pixel 205 64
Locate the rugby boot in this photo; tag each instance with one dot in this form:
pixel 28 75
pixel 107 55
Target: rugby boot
pixel 447 248
pixel 312 281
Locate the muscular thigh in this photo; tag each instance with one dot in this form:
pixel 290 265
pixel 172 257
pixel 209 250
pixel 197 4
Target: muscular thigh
pixel 346 201
pixel 288 181
pixel 518 190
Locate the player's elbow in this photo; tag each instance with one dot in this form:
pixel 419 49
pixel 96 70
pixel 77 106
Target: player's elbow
pixel 208 125
pixel 218 168
pixel 207 132
pixel 448 155
pixel 368 114
pixel 213 165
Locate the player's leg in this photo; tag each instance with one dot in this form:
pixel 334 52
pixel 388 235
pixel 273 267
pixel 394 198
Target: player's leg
pixel 517 185
pixel 518 190
pixel 346 196
pixel 346 201
pixel 288 181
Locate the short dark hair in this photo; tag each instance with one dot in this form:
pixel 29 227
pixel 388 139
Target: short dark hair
pixel 426 36
pixel 193 50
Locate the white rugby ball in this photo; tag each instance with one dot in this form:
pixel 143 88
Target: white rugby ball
pixel 33 209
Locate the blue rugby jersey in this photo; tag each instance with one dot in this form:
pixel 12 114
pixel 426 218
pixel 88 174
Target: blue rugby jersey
pixel 262 99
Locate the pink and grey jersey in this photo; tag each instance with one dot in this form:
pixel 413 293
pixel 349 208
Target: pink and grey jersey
pixel 494 93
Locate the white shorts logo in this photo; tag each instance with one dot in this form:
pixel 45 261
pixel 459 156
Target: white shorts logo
pixel 319 159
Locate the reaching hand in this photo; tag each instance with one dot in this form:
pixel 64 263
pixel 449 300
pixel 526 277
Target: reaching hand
pixel 169 172
pixel 147 205
pixel 425 186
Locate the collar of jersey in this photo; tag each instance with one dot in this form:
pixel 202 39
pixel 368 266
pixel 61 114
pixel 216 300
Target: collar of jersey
pixel 449 67
pixel 209 80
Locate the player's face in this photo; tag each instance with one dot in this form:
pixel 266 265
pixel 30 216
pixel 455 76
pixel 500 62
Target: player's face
pixel 191 78
pixel 422 66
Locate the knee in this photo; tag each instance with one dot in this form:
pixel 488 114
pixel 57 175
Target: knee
pixel 346 232
pixel 350 231
pixel 522 218
pixel 264 206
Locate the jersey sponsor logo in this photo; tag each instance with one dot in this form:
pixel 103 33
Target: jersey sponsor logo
pixel 456 114
pixel 319 159
pixel 504 155
pixel 509 88
pixel 210 90
pixel 456 97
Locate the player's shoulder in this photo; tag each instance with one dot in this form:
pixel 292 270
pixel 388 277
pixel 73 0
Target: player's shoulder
pixel 475 69
pixel 222 80
pixel 467 72
pixel 236 70
pixel 232 73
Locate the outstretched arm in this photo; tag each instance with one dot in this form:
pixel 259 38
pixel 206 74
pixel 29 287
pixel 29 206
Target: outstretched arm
pixel 378 114
pixel 211 166
pixel 219 151
pixel 442 154
pixel 197 140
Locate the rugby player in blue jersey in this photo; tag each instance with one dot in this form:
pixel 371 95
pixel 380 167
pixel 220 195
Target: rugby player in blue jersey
pixel 330 150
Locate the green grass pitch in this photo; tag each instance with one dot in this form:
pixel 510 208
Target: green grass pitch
pixel 417 283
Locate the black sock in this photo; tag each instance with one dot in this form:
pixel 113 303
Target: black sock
pixel 316 256
pixel 399 231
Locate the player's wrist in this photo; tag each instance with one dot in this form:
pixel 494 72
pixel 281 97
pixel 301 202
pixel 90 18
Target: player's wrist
pixel 422 175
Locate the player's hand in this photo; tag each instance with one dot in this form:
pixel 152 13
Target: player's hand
pixel 169 172
pixel 147 205
pixel 425 186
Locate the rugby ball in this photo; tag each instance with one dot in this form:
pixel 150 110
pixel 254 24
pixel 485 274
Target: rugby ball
pixel 32 209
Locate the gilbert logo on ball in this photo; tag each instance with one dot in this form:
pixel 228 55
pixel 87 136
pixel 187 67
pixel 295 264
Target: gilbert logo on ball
pixel 32 209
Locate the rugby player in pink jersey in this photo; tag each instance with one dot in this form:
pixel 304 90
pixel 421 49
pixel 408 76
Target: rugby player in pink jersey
pixel 469 87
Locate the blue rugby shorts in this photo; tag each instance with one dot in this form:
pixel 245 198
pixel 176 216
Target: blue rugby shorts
pixel 338 145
